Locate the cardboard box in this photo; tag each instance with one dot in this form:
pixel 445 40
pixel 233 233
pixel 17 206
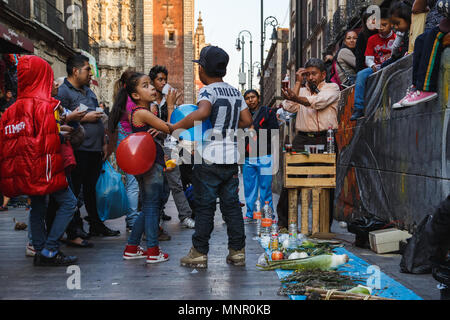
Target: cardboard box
pixel 387 240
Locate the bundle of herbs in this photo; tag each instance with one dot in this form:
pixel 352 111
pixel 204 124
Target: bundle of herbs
pixel 296 283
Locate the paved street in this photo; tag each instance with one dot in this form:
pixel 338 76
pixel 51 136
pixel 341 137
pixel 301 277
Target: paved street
pixel 105 275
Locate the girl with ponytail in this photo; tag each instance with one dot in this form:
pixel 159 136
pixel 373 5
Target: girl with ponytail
pixel 151 184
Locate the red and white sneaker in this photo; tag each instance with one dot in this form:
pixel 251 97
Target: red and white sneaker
pixel 134 252
pixel 409 92
pixel 155 255
pixel 418 97
pixel 30 251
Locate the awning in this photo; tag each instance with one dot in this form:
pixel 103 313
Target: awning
pixel 11 42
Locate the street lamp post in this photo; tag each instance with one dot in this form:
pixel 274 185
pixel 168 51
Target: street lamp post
pixel 274 23
pixel 238 48
pixel 258 65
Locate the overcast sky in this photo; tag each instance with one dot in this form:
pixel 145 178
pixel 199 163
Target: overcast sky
pixel 223 20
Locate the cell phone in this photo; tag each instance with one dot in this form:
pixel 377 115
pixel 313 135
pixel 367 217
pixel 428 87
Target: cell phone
pixel 98 109
pixel 83 108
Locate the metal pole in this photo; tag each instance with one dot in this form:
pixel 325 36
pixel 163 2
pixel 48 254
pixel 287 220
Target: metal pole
pixel 243 66
pixel 299 31
pixel 262 51
pixel 251 63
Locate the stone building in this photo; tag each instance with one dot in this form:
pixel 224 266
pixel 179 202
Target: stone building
pixel 51 29
pixel 275 69
pixel 139 34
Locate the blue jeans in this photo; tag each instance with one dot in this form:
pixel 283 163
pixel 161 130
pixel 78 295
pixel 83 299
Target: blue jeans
pixel 67 207
pixel 131 188
pixel 360 88
pixel 210 182
pixel 257 174
pixel 151 185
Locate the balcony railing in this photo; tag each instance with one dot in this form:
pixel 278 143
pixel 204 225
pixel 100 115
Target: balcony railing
pixel 21 7
pixel 339 21
pixel 83 41
pixel 353 8
pixel 48 15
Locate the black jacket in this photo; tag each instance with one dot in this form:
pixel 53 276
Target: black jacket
pixel 265 119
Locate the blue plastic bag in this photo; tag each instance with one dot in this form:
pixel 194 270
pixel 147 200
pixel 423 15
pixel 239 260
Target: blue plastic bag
pixel 112 200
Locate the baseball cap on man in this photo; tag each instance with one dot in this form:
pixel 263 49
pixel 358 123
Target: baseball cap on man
pixel 214 60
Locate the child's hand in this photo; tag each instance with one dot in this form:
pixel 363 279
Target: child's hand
pixel 153 132
pixel 66 128
pixel 374 68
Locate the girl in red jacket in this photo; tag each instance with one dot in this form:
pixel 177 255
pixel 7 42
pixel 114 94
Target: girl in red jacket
pixel 30 158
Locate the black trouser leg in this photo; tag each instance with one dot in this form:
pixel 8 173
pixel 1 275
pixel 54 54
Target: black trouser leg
pixel 86 174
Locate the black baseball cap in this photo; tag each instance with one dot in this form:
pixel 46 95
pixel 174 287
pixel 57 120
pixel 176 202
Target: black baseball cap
pixel 214 60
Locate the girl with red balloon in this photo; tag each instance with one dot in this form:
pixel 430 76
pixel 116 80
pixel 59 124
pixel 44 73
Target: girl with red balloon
pixel 139 155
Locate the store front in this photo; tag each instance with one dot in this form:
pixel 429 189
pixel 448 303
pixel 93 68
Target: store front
pixel 12 45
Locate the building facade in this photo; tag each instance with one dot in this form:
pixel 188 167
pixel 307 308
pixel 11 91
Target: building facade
pixel 51 29
pixel 275 69
pixel 318 26
pixel 140 34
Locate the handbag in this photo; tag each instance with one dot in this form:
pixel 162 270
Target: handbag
pixel 76 137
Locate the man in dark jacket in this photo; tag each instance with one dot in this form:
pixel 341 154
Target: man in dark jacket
pixel 257 170
pixel 74 93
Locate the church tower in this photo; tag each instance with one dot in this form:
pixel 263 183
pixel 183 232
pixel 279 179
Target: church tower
pixel 140 34
pixel 199 44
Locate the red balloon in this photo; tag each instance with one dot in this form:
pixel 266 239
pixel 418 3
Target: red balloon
pixel 136 153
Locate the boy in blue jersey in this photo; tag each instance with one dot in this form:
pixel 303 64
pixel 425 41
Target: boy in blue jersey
pixel 217 175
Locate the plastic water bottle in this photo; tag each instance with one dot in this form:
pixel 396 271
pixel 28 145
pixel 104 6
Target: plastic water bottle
pixel 267 220
pixel 257 216
pixel 293 242
pixel 330 141
pixel 274 242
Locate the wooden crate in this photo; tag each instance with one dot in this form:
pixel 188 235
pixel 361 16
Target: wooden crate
pixel 322 166
pixel 318 173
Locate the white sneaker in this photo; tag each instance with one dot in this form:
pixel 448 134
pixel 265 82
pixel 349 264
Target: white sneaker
pixel 30 251
pixel 188 223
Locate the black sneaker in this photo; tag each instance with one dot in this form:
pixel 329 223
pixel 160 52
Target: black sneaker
pixel 102 231
pixel 60 259
pixel 165 217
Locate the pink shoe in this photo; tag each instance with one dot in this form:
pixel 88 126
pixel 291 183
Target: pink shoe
pixel 419 97
pixel 409 91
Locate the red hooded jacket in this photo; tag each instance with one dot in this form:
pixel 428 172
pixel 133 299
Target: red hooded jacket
pixel 30 149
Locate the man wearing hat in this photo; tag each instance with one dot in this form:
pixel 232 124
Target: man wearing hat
pixel 217 174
